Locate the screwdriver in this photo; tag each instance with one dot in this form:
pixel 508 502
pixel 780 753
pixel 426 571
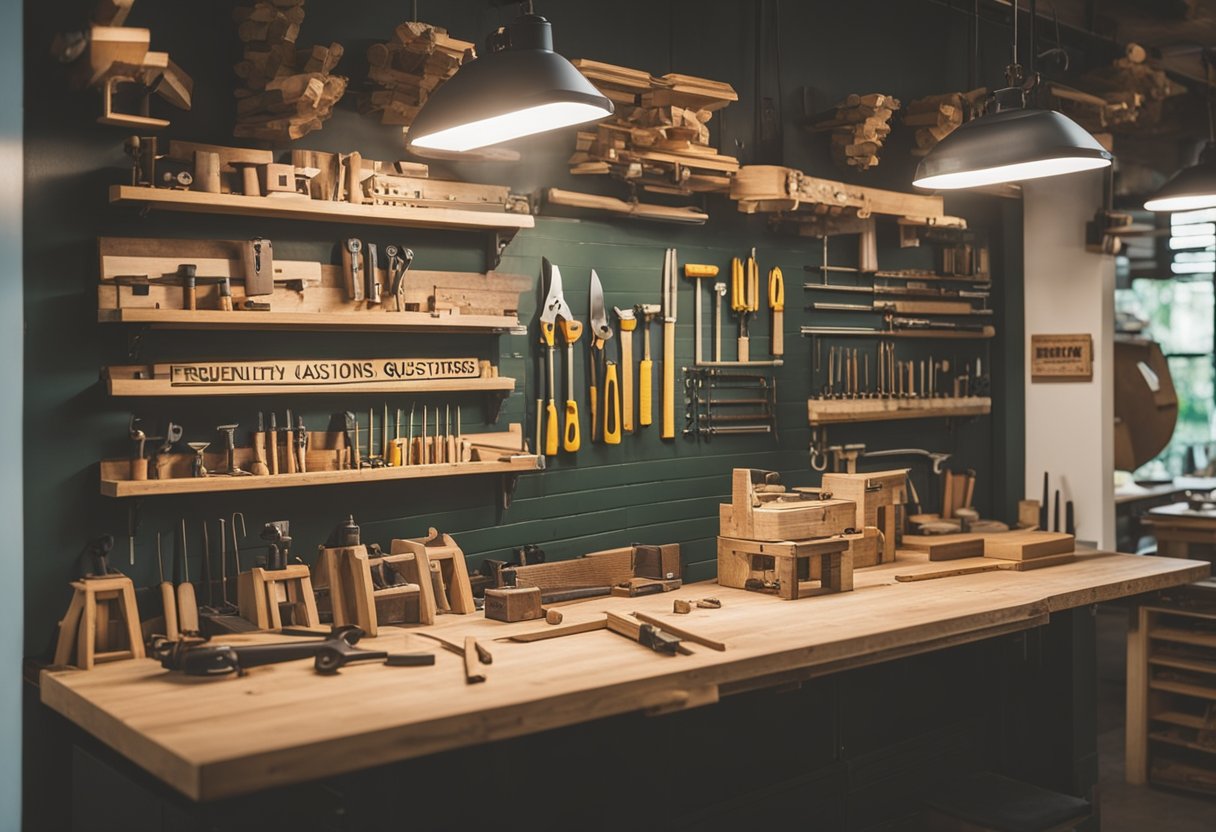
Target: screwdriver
pixel 571 332
pixel 166 597
pixel 551 444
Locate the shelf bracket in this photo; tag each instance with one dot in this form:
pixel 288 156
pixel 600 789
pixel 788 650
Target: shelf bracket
pixel 496 243
pixel 494 402
pixel 507 484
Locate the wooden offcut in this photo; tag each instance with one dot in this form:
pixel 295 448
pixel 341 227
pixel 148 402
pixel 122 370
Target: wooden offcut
pixel 859 125
pixel 757 513
pixel 1025 545
pixel 408 67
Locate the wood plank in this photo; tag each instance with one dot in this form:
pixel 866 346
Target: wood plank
pixel 267 728
pixel 946 546
pixel 308 321
pixel 1183 636
pixel 835 411
pixel 1025 545
pixel 301 208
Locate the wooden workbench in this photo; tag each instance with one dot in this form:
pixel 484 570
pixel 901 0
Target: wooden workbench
pixel 215 738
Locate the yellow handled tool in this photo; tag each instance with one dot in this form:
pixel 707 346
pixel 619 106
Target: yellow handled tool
pixel 647 312
pixel 628 325
pixel 695 272
pixel 670 297
pixel 551 444
pixel 744 297
pixel 572 330
pixel 776 302
pixel 611 428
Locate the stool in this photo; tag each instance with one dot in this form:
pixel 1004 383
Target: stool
pixel 346 572
pixel 987 802
pixel 260 591
pixel 84 632
pixel 786 566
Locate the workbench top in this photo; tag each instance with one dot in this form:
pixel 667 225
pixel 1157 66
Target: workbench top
pixel 282 724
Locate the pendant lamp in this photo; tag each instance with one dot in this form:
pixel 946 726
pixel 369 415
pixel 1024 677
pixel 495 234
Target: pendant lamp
pixel 1012 142
pixel 1193 187
pixel 520 87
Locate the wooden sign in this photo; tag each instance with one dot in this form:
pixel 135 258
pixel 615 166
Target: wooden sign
pixel 1061 357
pixel 321 372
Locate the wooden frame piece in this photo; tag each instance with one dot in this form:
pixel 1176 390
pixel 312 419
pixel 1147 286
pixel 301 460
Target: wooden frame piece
pixel 84 632
pixel 438 553
pixel 788 564
pixel 761 510
pixel 261 591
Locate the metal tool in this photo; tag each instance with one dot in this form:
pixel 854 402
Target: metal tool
pixel 629 325
pixel 197 468
pixel 695 272
pixel 370 273
pixel 719 293
pixel 647 312
pixel 933 456
pixel 670 298
pixel 278 544
pixel 259 267
pixel 745 298
pixel 272 444
pixel 352 265
pixel 229 432
pixel 400 259
pixel 553 308
pixel 604 388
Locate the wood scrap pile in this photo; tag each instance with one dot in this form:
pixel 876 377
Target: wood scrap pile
pixel 1127 95
pixel 288 92
pixel 859 126
pixel 658 137
pixel 409 67
pixel 936 116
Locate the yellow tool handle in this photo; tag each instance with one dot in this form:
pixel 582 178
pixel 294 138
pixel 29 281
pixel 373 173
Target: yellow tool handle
pixel 626 380
pixel 669 380
pixel 594 394
pixel 546 333
pixel 612 407
pixel 695 270
pixel 778 337
pixel 776 301
pixel 629 324
pixel 753 284
pixel 645 385
pixel 170 604
pixel 394 459
pixel 187 608
pixel 570 437
pixel 571 330
pixel 551 429
pixel 738 303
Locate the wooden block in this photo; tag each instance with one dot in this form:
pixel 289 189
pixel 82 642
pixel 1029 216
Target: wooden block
pixel 946 546
pixel 1024 545
pixel 1028 514
pixel 1040 562
pixel 521 603
pixel 607 568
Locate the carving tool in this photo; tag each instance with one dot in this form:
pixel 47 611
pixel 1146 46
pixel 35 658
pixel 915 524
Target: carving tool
pixel 776 302
pixel 273 441
pixel 449 437
pixel 400 259
pixel 696 271
pixel 744 298
pixel 384 451
pixel 370 275
pixel 302 444
pixel 601 333
pixel 629 324
pixel 259 267
pixel 554 306
pixel 352 265
pixel 395 456
pixel 670 296
pixel 187 603
pixel 647 312
pixel 167 599
pixel 407 457
pixel 719 293
pixel 259 467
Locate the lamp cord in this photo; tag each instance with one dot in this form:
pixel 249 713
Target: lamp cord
pixel 1015 31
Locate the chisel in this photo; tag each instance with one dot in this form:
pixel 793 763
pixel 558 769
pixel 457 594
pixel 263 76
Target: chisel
pixel 167 599
pixel 670 295
pixel 628 325
pixel 273 442
pixel 187 603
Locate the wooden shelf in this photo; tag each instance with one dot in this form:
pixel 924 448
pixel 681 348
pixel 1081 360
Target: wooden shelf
pixel 1183 636
pixel 1184 720
pixel 946 334
pixel 307 321
pixel 120 381
pixel 1198 691
pixel 1181 743
pixel 1183 664
pixel 836 411
pixel 300 208
pixel 215 484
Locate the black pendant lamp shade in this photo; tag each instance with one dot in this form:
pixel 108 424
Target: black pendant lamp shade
pixel 1008 145
pixel 520 87
pixel 1191 188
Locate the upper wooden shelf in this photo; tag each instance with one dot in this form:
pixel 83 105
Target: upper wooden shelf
pixel 950 334
pixel 299 208
pixel 135 381
pixel 310 321
pixel 836 411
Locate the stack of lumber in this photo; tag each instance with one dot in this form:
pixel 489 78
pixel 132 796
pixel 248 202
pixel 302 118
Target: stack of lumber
pixel 859 126
pixel 936 116
pixel 288 92
pixel 659 135
pixel 1127 95
pixel 409 67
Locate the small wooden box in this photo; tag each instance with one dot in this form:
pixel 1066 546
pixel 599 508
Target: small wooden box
pixel 277 178
pixel 521 603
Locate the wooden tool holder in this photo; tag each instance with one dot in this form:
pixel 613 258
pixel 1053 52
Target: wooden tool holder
pixel 353 598
pixel 262 592
pixel 101 624
pixel 439 564
pixel 880 497
pixel 761 509
pixel 790 569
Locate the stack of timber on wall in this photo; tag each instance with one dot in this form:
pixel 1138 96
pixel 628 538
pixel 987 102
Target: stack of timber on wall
pixel 859 126
pixel 659 136
pixel 1125 96
pixel 408 68
pixel 936 116
pixel 288 92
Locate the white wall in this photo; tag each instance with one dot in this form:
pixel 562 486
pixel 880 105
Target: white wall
pixel 1070 425
pixel 11 338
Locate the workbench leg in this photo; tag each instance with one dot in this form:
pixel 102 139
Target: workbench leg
pixel 86 640
pixel 1136 743
pixel 787 577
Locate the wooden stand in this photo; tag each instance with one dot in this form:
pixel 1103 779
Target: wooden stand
pixel 787 566
pixel 261 591
pixel 346 572
pixel 440 563
pixel 85 631
pixel 878 497
pixel 761 509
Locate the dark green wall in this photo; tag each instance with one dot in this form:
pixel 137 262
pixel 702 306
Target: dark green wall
pixel 643 489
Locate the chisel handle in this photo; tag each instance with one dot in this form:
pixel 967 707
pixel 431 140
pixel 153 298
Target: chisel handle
pixel 669 380
pixel 187 608
pixel 744 348
pixel 290 450
pixel 611 430
pixel 778 338
pixel 570 435
pixel 645 389
pixel 551 433
pixel 627 376
pixel 169 602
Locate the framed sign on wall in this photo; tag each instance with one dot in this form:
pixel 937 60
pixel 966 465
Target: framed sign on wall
pixel 1061 358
